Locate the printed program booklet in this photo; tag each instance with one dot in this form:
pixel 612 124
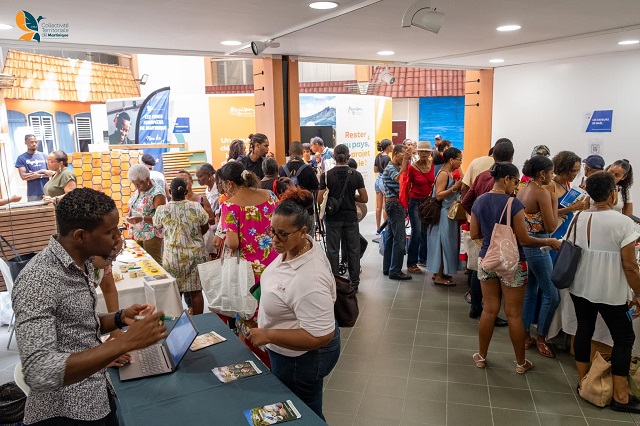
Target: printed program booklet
pixel 573 195
pixel 205 340
pixel 232 372
pixel 272 414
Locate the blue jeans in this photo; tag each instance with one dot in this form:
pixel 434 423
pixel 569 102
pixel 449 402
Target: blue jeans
pixel 540 267
pixel 395 240
pixel 303 374
pixel 418 240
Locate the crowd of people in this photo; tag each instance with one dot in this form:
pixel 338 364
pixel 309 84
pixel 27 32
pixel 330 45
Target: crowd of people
pixel 275 216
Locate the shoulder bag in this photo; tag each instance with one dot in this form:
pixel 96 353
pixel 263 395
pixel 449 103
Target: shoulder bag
pixel 502 256
pixel 333 204
pixel 17 263
pixel 566 265
pixel 597 386
pixel 346 307
pixel 430 207
pixel 456 211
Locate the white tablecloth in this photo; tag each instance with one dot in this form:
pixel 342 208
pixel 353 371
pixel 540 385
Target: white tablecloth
pixel 131 290
pixel 565 319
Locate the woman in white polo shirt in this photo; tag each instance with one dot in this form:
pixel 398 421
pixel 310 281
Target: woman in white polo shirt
pixel 295 318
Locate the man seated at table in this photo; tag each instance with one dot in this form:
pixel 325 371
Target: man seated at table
pixel 57 328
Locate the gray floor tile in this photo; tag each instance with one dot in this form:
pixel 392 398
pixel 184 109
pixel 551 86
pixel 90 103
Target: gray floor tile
pixel 369 334
pixel 506 378
pixel 460 329
pixel 424 353
pixel 601 422
pixel 409 314
pixel 464 415
pixel 431 390
pixel 464 342
pixel 428 370
pixel 391 367
pixel 426 315
pixel 363 420
pixel 406 304
pixel 549 382
pixel 348 381
pixel 362 348
pixel 408 294
pixel 435 305
pixel 337 419
pixel 387 386
pixel 396 324
pixel 467 374
pixel 354 363
pixel 502 417
pixel 591 411
pixel 555 420
pixel 556 403
pixel 514 399
pixel 461 357
pixel 341 402
pixel 381 407
pixel 424 412
pixel 433 327
pixel 431 340
pixel 398 337
pixel 463 393
pixel 399 352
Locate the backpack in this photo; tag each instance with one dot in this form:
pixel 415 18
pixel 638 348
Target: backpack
pixel 294 178
pixel 334 204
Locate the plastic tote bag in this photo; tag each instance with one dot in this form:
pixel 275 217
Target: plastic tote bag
pixel 226 283
pixel 502 256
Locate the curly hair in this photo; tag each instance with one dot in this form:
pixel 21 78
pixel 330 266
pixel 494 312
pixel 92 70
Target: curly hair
pixel 564 161
pixel 82 208
pixel 295 202
pixel 235 149
pixel 599 186
pixel 627 181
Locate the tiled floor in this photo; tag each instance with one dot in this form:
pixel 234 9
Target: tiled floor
pixel 408 362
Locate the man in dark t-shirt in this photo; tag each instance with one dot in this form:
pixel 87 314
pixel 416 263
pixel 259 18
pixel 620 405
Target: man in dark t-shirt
pixel 345 220
pixel 32 166
pixel 305 176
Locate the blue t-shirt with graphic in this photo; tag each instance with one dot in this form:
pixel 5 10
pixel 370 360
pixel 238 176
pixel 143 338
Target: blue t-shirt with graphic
pixel 33 163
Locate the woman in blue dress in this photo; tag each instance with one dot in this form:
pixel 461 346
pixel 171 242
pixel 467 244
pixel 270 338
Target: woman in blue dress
pixel 442 242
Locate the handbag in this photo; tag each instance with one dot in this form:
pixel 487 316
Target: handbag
pixel 226 283
pixel 403 195
pixel 597 386
pixel 502 256
pixel 17 263
pixel 456 211
pixel 634 376
pixel 346 307
pixel 430 207
pixel 473 250
pixel 566 265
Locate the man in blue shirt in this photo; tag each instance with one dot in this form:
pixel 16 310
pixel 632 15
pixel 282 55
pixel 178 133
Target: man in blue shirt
pixel 326 154
pixel 32 166
pixel 396 236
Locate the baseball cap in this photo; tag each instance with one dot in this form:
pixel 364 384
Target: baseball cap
pixel 594 162
pixel 438 137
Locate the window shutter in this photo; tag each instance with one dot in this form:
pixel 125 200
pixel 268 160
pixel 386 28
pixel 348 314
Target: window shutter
pixel 83 128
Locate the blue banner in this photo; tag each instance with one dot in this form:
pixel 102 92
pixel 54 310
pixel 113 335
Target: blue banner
pixel 153 124
pixel 182 125
pixel 600 121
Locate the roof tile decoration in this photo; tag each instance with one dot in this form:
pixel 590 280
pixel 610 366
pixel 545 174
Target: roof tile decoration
pixel 410 83
pixel 48 78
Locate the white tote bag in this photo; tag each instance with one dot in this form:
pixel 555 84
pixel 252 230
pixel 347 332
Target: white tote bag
pixel 226 283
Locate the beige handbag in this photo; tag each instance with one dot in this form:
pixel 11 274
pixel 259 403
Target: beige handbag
pixel 473 250
pixel 456 211
pixel 597 386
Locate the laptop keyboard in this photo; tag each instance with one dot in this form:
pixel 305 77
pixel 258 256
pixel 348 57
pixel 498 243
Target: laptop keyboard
pixel 152 361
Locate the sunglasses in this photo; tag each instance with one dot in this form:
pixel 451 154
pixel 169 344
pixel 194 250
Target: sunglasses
pixel 282 236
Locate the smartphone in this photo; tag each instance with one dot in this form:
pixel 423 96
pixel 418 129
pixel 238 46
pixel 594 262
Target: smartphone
pixel 630 313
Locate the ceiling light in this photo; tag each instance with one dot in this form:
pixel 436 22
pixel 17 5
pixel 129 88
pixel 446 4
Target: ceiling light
pixel 323 5
pixel 628 42
pixel 258 46
pixel 509 28
pixel 231 43
pixel 421 15
pixel 496 61
pixel 5 27
pixel 386 53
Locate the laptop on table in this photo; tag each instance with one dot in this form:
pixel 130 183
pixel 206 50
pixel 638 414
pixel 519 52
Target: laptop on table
pixel 162 358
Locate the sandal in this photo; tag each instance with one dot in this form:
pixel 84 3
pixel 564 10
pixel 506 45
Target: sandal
pixel 545 350
pixel 521 369
pixel 447 283
pixel 479 361
pixel 448 277
pixel 414 270
pixel 528 342
pixel 467 297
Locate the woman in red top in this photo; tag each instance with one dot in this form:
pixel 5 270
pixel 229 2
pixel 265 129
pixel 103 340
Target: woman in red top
pixel 421 178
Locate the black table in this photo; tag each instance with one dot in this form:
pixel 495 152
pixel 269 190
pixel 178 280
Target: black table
pixel 194 396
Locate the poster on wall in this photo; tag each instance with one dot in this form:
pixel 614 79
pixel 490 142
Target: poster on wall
pixel 442 116
pixel 152 126
pixel 231 117
pixel 599 121
pixel 122 115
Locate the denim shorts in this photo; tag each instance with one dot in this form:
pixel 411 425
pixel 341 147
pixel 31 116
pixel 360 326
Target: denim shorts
pixel 379 185
pixel 520 279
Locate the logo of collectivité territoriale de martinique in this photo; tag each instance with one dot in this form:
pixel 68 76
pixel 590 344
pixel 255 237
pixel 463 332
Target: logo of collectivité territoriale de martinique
pixel 35 30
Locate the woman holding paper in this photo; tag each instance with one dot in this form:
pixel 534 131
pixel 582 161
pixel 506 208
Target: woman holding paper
pixel 566 166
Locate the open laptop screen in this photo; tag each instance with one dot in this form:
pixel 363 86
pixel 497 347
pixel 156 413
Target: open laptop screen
pixel 180 338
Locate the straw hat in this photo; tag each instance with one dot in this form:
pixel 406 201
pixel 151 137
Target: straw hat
pixel 424 146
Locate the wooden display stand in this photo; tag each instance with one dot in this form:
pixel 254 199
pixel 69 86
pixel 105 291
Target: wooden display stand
pixel 174 162
pixel 28 227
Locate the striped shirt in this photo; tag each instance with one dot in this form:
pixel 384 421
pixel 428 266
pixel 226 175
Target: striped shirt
pixel 391 187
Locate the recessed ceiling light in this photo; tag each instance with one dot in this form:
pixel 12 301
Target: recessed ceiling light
pixel 496 61
pixel 5 27
pixel 386 53
pixel 231 43
pixel 323 5
pixel 627 42
pixel 509 28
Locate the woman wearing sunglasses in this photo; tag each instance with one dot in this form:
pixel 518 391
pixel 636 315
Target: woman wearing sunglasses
pixel 295 318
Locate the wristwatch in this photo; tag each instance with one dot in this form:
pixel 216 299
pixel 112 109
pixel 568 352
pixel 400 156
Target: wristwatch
pixel 117 319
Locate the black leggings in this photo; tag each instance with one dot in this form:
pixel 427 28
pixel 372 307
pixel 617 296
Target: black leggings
pixel 619 326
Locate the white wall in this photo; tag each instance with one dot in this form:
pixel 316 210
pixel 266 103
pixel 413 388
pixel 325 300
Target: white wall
pixel 310 72
pixel 196 107
pixel 408 109
pixel 185 74
pixel 545 103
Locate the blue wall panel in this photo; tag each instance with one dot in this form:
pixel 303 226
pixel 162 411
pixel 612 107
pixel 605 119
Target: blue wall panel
pixel 444 116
